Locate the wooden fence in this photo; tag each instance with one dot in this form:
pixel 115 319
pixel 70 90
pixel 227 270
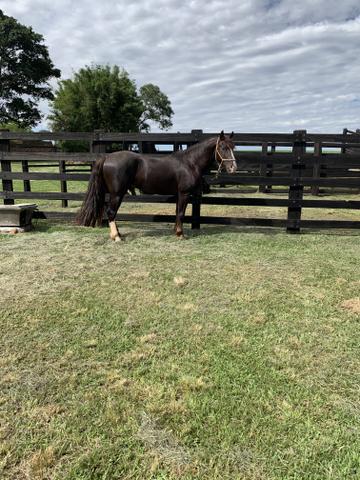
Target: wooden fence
pixel 301 162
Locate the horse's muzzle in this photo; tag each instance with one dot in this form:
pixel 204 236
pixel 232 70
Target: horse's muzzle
pixel 232 167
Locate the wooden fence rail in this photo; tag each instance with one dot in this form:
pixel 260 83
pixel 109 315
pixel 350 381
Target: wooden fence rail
pixel 295 161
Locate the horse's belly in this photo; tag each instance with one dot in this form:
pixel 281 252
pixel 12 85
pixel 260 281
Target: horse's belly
pixel 158 188
pixel 156 182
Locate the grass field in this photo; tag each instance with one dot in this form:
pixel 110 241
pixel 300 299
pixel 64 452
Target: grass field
pixel 231 355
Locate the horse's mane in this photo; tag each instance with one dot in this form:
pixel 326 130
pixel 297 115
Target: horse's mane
pixel 194 149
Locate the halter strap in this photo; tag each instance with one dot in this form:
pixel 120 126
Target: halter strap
pixel 223 160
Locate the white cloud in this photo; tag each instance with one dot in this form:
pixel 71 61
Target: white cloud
pixel 261 65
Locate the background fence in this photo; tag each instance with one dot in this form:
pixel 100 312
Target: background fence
pixel 297 163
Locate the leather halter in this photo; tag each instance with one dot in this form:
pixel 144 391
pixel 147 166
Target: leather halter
pixel 223 160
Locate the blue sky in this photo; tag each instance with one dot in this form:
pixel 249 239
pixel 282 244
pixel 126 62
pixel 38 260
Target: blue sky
pixel 247 66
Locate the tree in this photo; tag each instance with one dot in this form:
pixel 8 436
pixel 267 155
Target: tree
pixel 104 97
pixel 14 127
pixel 156 107
pixel 25 70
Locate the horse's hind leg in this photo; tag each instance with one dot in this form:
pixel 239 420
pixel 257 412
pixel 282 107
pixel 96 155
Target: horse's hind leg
pixel 119 174
pixel 111 209
pixel 182 201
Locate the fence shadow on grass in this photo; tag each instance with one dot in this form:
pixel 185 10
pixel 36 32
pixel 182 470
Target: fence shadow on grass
pixel 131 230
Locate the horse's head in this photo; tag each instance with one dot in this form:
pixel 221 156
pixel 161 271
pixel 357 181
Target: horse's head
pixel 224 152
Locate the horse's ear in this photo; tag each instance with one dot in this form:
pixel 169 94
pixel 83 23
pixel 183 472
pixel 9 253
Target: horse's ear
pixel 231 135
pixel 222 136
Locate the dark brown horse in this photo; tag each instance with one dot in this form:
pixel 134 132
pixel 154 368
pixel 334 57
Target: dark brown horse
pixel 177 174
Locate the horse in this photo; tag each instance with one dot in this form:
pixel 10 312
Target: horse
pixel 179 173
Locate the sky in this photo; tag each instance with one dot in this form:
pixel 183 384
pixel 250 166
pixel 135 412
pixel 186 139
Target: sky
pixel 247 66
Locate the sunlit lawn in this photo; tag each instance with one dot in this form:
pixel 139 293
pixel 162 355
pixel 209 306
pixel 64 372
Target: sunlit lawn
pixel 231 355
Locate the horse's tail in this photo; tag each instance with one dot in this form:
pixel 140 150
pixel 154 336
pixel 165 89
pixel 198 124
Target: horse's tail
pixel 93 206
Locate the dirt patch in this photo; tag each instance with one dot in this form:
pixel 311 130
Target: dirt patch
pixel 353 304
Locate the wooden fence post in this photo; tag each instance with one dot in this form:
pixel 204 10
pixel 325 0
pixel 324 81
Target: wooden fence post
pixel 316 168
pixel 197 137
pixel 196 208
pixel 262 170
pixel 296 190
pixel 7 185
pixel 197 134
pixel 97 146
pixel 143 147
pixel 25 169
pixel 63 184
pixel 266 168
pixel 343 148
pixel 269 168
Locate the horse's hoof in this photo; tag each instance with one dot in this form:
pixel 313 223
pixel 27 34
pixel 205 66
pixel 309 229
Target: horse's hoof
pixel 181 237
pixel 115 239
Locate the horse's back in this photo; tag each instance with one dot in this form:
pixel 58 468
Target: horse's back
pixel 117 161
pixel 121 156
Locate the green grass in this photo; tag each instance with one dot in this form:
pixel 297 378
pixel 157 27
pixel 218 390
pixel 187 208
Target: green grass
pixel 231 355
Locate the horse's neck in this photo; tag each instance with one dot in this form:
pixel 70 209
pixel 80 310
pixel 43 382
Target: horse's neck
pixel 204 155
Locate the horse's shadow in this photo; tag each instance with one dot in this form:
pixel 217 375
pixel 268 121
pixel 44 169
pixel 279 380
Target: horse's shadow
pixel 209 230
pixel 168 231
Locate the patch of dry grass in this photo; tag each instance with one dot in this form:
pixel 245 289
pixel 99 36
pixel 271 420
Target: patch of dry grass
pixel 352 304
pixel 163 446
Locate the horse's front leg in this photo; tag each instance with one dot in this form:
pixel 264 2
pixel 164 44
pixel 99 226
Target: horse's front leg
pixel 182 201
pixel 176 214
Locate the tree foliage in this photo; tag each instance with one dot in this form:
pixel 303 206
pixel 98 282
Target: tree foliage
pixel 25 70
pixel 14 127
pixel 104 97
pixel 156 107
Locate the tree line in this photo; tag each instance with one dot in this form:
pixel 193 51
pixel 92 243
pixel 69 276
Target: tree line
pixel 96 97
